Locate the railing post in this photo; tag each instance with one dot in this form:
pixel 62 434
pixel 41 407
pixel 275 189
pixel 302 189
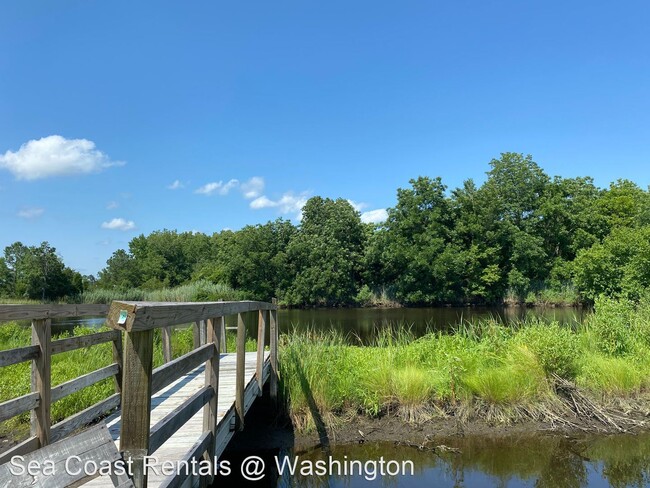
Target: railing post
pixel 196 334
pixel 273 346
pixel 42 380
pixel 136 402
pixel 166 333
pixel 210 411
pixel 240 373
pixel 224 341
pixel 118 358
pixel 261 331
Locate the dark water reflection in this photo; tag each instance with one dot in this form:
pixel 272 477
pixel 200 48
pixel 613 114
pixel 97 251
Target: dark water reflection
pixel 364 322
pixel 537 461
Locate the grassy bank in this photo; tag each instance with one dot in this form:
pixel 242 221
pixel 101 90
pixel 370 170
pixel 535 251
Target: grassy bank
pixel 199 291
pixel 484 370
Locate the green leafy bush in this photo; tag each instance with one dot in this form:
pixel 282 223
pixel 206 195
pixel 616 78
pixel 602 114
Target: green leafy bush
pixel 555 346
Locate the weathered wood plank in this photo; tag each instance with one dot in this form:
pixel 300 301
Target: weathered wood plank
pixel 42 379
pixel 261 332
pixel 224 432
pixel 19 405
pixel 197 449
pixel 196 334
pixel 18 355
pixel 273 346
pixel 175 419
pixel 224 342
pixel 25 447
pixel 85 417
pixel 240 372
pixel 72 386
pixel 136 401
pixel 170 372
pixel 33 312
pixel 72 343
pixel 93 444
pixel 210 412
pixel 151 315
pixel 118 358
pixel 166 333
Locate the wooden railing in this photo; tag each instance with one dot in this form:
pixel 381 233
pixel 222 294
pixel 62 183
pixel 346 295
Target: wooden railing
pixel 43 393
pixel 138 320
pixel 132 338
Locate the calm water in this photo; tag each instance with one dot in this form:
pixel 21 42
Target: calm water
pixel 363 323
pixel 534 461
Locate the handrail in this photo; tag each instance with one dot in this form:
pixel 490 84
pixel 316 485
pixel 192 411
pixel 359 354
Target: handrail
pixel 132 338
pixel 139 320
pixel 54 311
pixel 40 353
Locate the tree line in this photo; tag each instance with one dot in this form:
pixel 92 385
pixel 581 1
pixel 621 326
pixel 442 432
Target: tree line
pixel 38 273
pixel 519 236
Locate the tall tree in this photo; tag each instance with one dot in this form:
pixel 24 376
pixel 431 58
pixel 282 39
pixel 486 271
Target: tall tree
pixel 325 254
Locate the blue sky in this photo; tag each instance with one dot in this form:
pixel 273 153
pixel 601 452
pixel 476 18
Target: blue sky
pixel 280 101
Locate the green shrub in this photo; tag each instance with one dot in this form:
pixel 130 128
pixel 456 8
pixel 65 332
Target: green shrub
pixel 611 325
pixel 555 346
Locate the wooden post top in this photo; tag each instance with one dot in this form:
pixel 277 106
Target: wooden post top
pixel 138 316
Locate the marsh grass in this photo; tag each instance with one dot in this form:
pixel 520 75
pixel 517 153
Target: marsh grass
pixel 482 369
pixel 199 291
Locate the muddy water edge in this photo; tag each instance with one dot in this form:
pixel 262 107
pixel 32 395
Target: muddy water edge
pixel 436 455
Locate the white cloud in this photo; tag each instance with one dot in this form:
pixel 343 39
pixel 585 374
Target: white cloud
pixel 112 205
pixel 253 188
pixel 30 213
pixel 119 224
pixel 374 216
pixel 55 156
pixel 262 202
pixel 287 204
pixel 358 206
pixel 218 186
pixel 176 185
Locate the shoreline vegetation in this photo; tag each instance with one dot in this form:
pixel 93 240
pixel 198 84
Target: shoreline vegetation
pixel 593 376
pixel 521 237
pixel 589 377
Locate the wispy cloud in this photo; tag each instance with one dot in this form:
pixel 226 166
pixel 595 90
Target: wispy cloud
pixel 55 156
pixel 374 216
pixel 358 206
pixel 288 203
pixel 112 205
pixel 119 224
pixel 217 187
pixel 253 188
pixel 176 185
pixel 30 213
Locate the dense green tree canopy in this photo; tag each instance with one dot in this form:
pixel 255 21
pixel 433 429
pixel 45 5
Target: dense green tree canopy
pixel 518 235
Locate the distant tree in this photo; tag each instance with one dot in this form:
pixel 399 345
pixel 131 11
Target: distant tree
pixel 624 204
pixel 14 259
pixel 617 267
pixel 120 271
pixel 254 259
pixel 325 255
pixel 6 281
pixel 420 263
pixel 46 277
pixel 511 198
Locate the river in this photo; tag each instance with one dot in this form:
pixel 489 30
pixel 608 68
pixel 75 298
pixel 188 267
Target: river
pixel 536 460
pixel 363 323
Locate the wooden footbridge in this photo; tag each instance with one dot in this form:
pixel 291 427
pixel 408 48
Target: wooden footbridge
pixel 187 409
